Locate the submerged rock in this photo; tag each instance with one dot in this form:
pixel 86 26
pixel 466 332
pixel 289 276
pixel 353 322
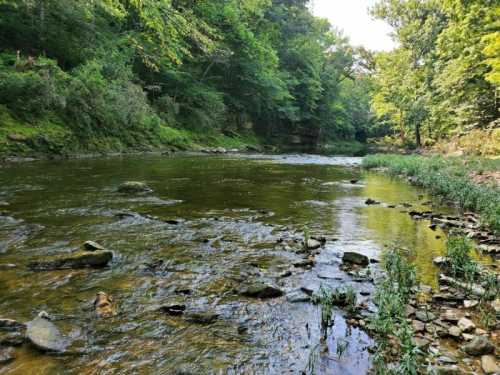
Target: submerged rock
pixel 355 258
pixel 11 339
pixel 6 355
pixel 44 335
pixel 131 187
pixel 91 246
pixel 479 346
pixel 202 317
pixel 260 289
pixel 103 305
pixel 79 259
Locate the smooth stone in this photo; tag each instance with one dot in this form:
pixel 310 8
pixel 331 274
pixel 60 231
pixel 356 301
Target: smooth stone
pixel 312 244
pixel 489 364
pixel 6 355
pixel 480 345
pixel 45 336
pixel 134 187
pixel 91 246
pixel 466 325
pixel 260 289
pixel 355 258
pixel 79 259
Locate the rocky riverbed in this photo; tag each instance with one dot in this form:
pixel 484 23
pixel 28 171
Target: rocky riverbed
pixel 210 264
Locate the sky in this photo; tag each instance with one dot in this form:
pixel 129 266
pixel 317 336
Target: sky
pixel 352 17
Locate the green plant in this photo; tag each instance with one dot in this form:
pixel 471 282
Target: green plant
pixel 341 347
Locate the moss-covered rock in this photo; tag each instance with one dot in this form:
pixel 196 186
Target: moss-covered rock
pixel 79 259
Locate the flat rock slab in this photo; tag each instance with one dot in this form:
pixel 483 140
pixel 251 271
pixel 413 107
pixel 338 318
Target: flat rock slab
pixel 45 336
pixel 79 259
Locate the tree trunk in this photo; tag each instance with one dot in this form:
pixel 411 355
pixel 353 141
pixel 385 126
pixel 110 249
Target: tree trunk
pixel 417 136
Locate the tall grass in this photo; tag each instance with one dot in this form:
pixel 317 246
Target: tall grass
pixel 449 178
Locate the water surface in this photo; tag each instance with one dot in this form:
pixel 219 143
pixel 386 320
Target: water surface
pixel 238 217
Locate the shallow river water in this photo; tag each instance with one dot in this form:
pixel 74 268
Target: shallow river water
pixel 215 222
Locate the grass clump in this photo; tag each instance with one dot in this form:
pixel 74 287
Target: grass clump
pixel 389 323
pixel 452 178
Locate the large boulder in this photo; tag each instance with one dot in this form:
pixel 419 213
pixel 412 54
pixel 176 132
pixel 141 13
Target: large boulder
pixel 44 335
pixel 355 258
pixel 480 345
pixel 79 259
pixel 134 187
pixel 260 289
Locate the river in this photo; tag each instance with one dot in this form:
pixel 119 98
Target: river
pixel 214 222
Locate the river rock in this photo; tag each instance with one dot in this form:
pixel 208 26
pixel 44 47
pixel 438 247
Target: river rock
pixel 7 266
pixel 260 289
pixel 133 187
pixel 11 325
pixel 418 326
pixel 79 259
pixel 468 304
pixel 371 201
pixel 489 364
pixel 91 246
pixel 44 335
pixel 103 305
pixel 11 338
pixel 480 345
pixel 466 325
pixel 496 305
pixel 355 258
pixel 425 316
pixel 202 317
pixel 6 355
pixel 450 316
pixel 455 332
pixel 312 244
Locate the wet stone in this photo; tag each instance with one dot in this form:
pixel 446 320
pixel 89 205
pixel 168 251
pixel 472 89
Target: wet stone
pixel 79 259
pixel 11 325
pixel 371 201
pixel 355 258
pixel 260 289
pixel 45 336
pixel 312 244
pixel 6 355
pixel 173 309
pixel 11 338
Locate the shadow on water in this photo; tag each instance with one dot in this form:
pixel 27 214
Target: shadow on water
pixel 214 222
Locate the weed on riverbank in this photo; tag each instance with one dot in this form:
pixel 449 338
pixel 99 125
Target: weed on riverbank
pixel 452 178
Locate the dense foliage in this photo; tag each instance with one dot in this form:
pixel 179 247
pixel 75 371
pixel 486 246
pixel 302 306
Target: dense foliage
pixel 125 69
pixel 444 78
